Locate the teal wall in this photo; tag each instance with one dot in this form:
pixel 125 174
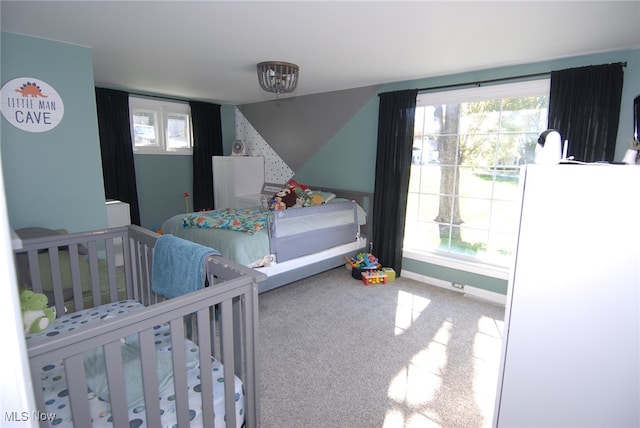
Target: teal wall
pixel 444 273
pixel 228 118
pixel 348 160
pixel 162 180
pixel 46 184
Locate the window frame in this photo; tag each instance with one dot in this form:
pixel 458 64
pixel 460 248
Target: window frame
pixel 449 257
pixel 161 109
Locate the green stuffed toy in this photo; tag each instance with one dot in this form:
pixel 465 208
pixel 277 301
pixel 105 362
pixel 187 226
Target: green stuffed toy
pixel 36 315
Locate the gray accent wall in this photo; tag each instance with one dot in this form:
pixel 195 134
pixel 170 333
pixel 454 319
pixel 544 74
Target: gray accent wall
pixel 297 128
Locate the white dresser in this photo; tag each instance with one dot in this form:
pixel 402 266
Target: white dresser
pixel 571 347
pixel 118 215
pixel 237 181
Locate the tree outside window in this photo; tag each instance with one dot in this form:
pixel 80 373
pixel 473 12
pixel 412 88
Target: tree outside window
pixel 464 191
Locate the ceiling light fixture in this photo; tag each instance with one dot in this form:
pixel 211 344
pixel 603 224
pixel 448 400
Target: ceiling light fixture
pixel 278 77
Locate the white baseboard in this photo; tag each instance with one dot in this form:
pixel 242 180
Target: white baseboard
pixel 467 290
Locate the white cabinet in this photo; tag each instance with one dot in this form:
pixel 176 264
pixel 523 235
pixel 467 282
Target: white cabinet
pixel 235 179
pixel 571 349
pixel 118 214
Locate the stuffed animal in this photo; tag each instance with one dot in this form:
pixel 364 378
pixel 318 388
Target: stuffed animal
pixel 299 202
pixel 293 185
pixel 284 199
pixel 313 198
pixel 277 204
pixel 36 315
pixel 289 198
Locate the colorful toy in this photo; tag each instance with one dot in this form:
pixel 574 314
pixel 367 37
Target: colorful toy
pixel 36 315
pixel 391 274
pixel 363 261
pixel 293 185
pixel 186 201
pixel 374 277
pixel 367 260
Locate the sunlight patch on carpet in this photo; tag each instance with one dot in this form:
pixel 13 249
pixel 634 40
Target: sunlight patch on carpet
pixel 416 384
pixel 487 347
pixel 408 310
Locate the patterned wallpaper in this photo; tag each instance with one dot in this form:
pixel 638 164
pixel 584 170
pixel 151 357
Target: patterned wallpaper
pixel 275 169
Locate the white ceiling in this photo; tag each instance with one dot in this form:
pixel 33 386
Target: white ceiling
pixel 208 50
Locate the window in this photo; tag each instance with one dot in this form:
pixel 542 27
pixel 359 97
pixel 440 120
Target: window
pixel 159 126
pixel 469 145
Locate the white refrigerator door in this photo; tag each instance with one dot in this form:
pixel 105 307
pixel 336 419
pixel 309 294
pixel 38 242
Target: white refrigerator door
pixel 572 326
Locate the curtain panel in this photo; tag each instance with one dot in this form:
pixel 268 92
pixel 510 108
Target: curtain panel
pixel 207 142
pixel 584 106
pixel 118 169
pixel 396 119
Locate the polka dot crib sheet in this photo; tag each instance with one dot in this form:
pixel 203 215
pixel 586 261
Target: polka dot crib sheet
pixel 55 388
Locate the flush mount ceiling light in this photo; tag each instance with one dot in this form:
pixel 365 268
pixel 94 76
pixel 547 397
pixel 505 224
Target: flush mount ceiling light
pixel 278 77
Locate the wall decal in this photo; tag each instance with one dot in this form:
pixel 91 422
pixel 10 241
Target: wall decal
pixel 31 104
pixel 275 169
pixel 297 128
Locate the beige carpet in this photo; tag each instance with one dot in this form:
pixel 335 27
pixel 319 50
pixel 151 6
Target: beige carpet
pixel 337 353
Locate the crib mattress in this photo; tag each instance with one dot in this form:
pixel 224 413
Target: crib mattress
pixel 54 383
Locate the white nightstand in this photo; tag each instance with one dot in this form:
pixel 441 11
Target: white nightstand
pixel 118 215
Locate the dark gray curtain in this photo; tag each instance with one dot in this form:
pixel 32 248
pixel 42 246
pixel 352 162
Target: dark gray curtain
pixel 118 169
pixel 584 106
pixel 207 142
pixel 396 118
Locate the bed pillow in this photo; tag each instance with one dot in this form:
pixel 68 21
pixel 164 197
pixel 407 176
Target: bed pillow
pixel 326 196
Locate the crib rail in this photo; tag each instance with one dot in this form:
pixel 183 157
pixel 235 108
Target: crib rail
pixel 82 270
pixel 220 319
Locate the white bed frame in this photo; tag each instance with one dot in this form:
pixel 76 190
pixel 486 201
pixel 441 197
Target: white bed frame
pixel 231 337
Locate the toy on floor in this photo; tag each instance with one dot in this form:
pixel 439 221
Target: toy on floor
pixel 363 261
pixel 374 277
pixel 36 315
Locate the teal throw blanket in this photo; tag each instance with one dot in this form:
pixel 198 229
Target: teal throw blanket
pixel 178 266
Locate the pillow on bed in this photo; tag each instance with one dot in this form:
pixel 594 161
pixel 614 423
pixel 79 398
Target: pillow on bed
pixel 326 196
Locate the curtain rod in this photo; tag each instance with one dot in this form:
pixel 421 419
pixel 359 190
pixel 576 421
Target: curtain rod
pixel 152 95
pixel 484 82
pixel 169 98
pixel 502 79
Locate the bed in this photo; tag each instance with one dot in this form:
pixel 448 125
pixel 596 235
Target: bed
pixel 148 360
pixel 289 244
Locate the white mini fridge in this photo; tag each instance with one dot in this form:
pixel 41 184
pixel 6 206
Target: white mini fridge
pixel 571 347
